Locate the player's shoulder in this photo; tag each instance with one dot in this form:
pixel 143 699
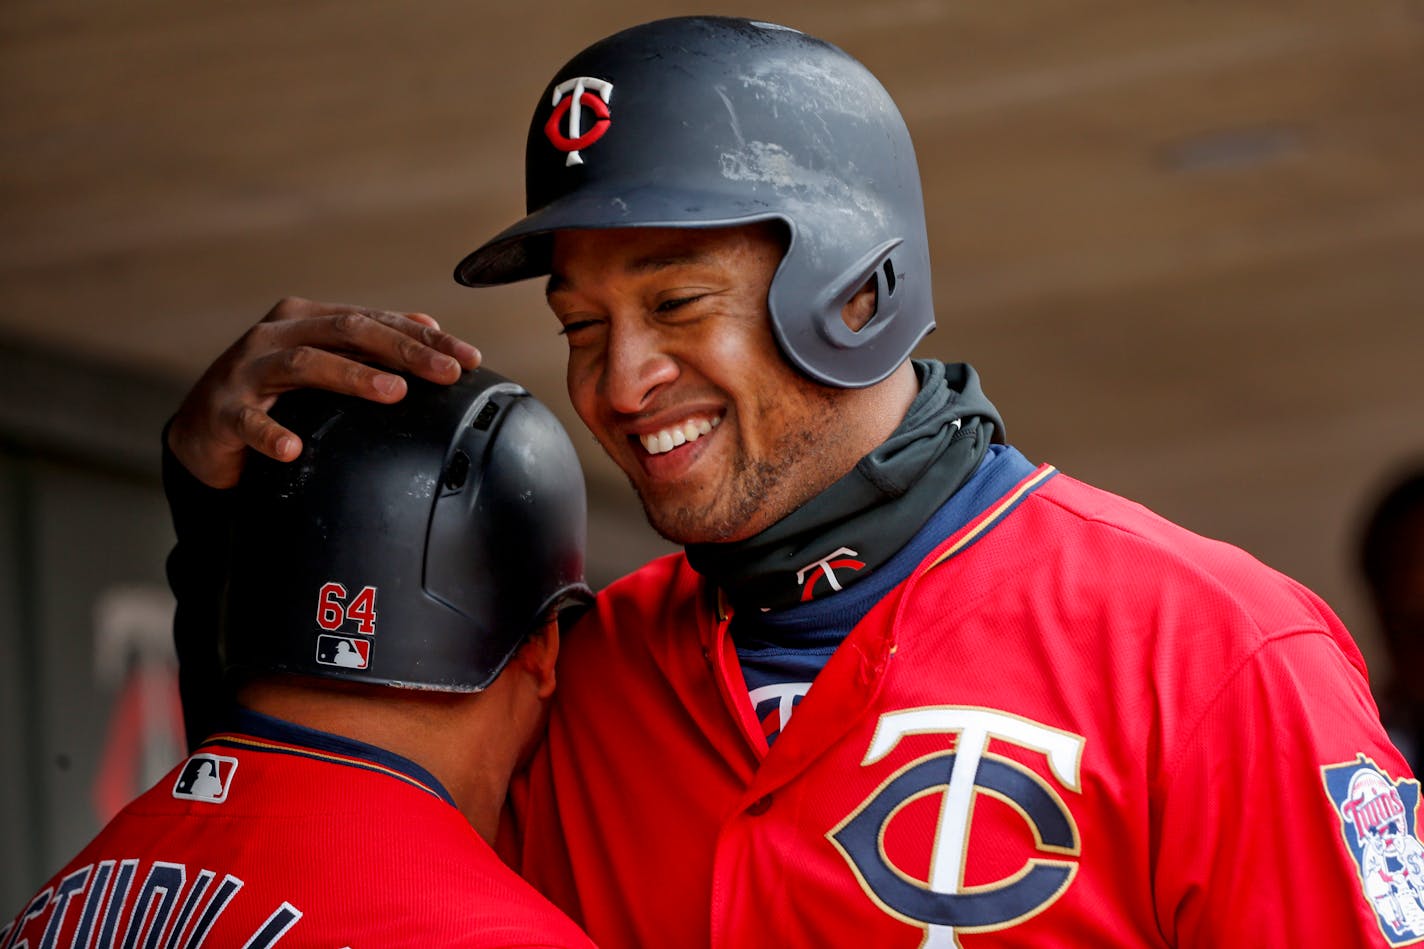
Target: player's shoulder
pixel 668 576
pixel 1119 528
pixel 462 894
pixel 666 588
pixel 1109 546
pixel 653 617
pixel 490 905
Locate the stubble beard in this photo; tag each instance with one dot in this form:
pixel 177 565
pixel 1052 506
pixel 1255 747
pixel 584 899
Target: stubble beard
pixel 760 492
pixel 721 520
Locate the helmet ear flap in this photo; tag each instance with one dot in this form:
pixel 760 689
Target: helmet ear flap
pixel 814 354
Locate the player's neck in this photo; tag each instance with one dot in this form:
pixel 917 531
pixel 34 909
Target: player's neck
pixel 444 733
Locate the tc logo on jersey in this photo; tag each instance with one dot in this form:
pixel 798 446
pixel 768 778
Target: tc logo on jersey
pixel 205 778
pixel 931 890
pixel 571 97
pixel 343 651
pixel 842 559
pixel 1377 819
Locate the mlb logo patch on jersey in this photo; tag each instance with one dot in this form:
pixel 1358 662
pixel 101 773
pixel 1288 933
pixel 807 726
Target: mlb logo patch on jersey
pixel 205 778
pixel 1377 819
pixel 344 651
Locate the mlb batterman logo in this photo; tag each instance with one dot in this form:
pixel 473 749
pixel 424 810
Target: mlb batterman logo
pixel 570 99
pixel 205 777
pixel 1377 819
pixel 345 651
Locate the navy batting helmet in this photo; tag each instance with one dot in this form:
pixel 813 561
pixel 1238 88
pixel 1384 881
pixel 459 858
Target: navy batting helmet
pixel 414 545
pixel 716 121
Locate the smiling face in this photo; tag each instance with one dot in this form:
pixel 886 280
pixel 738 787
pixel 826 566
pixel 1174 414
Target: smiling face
pixel 673 367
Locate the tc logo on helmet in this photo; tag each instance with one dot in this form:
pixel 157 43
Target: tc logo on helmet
pixel 570 98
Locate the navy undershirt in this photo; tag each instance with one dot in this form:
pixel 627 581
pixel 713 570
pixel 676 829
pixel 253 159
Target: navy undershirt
pixel 782 651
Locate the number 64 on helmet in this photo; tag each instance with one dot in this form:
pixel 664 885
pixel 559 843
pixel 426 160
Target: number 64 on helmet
pixel 413 545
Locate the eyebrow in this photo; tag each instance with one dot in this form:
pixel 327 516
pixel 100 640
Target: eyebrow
pixel 639 265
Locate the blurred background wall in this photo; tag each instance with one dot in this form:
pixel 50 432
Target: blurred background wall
pixel 1182 242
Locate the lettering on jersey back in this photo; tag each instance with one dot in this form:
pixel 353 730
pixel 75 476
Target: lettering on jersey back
pixel 1378 821
pixel 888 866
pixel 162 909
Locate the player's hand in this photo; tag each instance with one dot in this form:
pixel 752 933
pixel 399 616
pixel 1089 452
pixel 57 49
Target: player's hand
pixel 302 344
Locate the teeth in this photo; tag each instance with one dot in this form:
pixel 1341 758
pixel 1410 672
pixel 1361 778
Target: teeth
pixel 669 438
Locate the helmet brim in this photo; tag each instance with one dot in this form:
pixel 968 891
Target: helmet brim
pixel 525 249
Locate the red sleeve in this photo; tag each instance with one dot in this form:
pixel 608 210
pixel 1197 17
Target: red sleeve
pixel 1255 834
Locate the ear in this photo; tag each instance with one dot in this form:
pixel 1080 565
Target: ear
pixel 539 655
pixel 861 307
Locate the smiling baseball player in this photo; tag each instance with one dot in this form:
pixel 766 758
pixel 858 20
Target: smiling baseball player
pixel 902 687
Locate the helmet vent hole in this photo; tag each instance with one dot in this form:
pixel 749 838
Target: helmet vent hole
pixel 457 471
pixel 485 416
pixel 889 278
pixel 862 308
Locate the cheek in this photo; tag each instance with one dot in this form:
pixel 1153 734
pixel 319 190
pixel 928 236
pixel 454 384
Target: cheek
pixel 581 380
pixel 744 358
pixel 582 389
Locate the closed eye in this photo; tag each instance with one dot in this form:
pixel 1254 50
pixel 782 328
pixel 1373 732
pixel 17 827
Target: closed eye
pixel 667 306
pixel 575 326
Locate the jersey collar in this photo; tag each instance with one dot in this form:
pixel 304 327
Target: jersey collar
pixel 255 731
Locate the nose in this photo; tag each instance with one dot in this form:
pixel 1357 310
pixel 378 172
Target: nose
pixel 637 365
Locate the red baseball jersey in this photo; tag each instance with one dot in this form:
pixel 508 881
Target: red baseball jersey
pixel 300 840
pixel 1074 724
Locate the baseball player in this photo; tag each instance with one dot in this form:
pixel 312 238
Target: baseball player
pixel 902 687
pixel 391 626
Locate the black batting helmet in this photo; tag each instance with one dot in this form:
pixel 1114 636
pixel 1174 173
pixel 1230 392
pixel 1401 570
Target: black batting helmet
pixel 413 545
pixel 716 121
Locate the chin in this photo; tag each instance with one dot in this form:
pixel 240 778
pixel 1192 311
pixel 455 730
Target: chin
pixel 736 507
pixel 684 531
pixel 683 526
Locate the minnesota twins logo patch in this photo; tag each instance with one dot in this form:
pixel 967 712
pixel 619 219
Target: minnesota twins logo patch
pixel 570 99
pixel 842 559
pixel 1377 820
pixel 923 877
